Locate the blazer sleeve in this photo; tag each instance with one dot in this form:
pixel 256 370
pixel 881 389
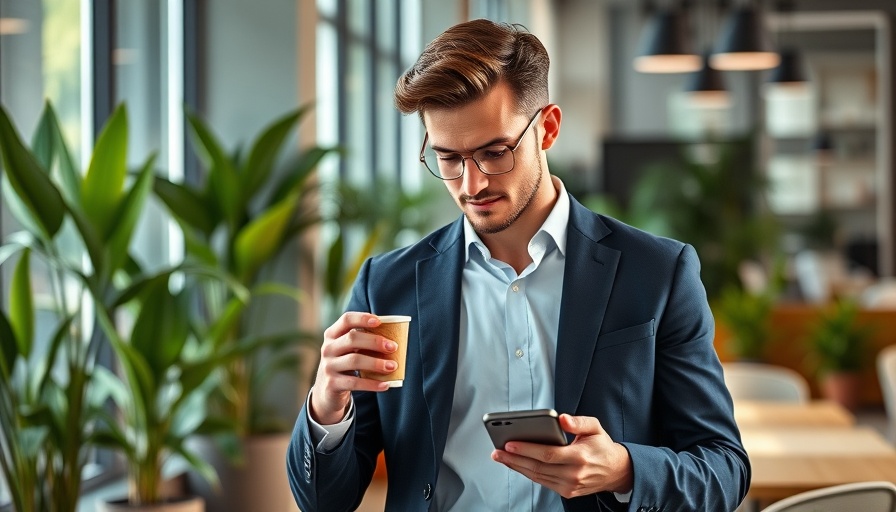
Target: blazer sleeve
pixel 337 480
pixel 701 463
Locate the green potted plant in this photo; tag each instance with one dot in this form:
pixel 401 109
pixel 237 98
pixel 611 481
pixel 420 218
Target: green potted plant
pixel 169 364
pixel 712 200
pixel 239 220
pixel 838 351
pixel 54 392
pixel 746 317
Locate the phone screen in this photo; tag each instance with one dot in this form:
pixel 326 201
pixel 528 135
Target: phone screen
pixel 540 426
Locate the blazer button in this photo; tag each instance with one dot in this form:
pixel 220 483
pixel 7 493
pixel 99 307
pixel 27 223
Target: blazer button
pixel 427 492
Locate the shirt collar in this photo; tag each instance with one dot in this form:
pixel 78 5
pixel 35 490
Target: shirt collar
pixel 554 226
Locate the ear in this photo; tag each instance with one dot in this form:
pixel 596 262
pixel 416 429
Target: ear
pixel 551 122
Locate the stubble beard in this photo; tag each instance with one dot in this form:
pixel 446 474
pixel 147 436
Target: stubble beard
pixel 481 222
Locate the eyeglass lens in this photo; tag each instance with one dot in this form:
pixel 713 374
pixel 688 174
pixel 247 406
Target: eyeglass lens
pixel 490 160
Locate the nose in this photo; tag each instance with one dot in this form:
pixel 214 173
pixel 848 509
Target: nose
pixel 473 180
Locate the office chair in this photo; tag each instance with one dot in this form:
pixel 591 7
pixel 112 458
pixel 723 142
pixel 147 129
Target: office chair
pixel 886 374
pixel 759 381
pixel 864 496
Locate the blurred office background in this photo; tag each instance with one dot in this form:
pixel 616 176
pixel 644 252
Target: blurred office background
pixel 782 178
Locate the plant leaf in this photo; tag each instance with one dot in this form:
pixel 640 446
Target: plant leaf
pixel 205 470
pixel 262 238
pixel 9 348
pixel 31 183
pixel 265 150
pixel 284 290
pixel 21 305
pixel 103 385
pixel 161 329
pixel 223 180
pixel 186 205
pixel 31 440
pixel 42 140
pixel 103 185
pixel 334 272
pixel 223 325
pixel 69 174
pixel 299 171
pixel 48 144
pixel 128 213
pixel 91 240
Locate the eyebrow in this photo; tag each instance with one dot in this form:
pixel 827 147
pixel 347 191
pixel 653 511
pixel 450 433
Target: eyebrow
pixel 493 142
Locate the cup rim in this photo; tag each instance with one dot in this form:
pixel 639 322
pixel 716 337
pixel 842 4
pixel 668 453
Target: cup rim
pixel 394 319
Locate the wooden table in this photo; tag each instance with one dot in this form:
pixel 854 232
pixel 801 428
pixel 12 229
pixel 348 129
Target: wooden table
pixel 817 413
pixel 790 460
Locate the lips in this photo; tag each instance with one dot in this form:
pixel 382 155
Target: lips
pixel 482 204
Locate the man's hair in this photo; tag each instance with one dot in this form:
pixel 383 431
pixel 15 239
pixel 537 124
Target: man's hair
pixel 467 60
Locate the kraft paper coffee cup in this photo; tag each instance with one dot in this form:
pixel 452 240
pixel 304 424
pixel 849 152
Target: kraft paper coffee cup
pixel 395 328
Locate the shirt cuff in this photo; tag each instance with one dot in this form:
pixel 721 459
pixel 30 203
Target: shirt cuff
pixel 623 498
pixel 327 437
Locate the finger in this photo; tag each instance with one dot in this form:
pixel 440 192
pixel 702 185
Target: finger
pixel 579 425
pixel 538 472
pixel 348 321
pixel 547 454
pixel 360 361
pixel 358 341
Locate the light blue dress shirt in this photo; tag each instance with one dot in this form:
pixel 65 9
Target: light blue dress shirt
pixel 506 354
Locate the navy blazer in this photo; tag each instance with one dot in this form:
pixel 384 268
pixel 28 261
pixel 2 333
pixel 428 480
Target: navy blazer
pixel 634 350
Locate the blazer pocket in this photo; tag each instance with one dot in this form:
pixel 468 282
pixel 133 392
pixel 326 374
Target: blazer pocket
pixel 627 335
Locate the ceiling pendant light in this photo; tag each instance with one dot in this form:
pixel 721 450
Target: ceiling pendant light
pixel 663 47
pixel 743 45
pixel 706 87
pixel 789 72
pixel 790 75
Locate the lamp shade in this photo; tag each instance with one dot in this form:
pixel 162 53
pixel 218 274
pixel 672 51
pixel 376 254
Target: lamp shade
pixel 743 45
pixel 662 46
pixel 789 70
pixel 706 87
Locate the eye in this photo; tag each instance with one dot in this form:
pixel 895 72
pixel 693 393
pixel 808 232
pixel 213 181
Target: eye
pixel 448 157
pixel 492 153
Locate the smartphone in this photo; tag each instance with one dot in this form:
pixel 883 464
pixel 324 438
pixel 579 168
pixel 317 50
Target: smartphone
pixel 540 426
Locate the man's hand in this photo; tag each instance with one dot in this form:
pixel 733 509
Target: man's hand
pixel 347 348
pixel 592 463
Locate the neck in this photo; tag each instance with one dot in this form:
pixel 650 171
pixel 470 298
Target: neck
pixel 512 244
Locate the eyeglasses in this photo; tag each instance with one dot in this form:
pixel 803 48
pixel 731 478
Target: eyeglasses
pixel 491 160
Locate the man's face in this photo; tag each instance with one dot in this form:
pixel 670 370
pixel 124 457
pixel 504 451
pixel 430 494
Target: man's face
pixel 492 203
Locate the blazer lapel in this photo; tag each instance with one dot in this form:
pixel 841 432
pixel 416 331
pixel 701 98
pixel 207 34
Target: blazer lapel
pixel 587 282
pixel 438 308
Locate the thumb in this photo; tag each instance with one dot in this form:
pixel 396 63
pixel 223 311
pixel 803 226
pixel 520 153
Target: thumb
pixel 580 425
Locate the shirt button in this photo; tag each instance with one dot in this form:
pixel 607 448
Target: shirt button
pixel 519 352
pixel 515 288
pixel 427 492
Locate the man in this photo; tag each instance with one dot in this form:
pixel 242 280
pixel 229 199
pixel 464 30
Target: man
pixel 527 301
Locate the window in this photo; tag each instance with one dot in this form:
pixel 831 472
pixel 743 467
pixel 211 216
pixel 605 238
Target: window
pixel 85 57
pixel 363 47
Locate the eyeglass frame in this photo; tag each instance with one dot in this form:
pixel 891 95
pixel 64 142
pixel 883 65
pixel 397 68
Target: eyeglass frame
pixel 463 162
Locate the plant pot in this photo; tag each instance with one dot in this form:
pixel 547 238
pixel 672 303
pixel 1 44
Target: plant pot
pixel 185 504
pixel 259 483
pixel 842 387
